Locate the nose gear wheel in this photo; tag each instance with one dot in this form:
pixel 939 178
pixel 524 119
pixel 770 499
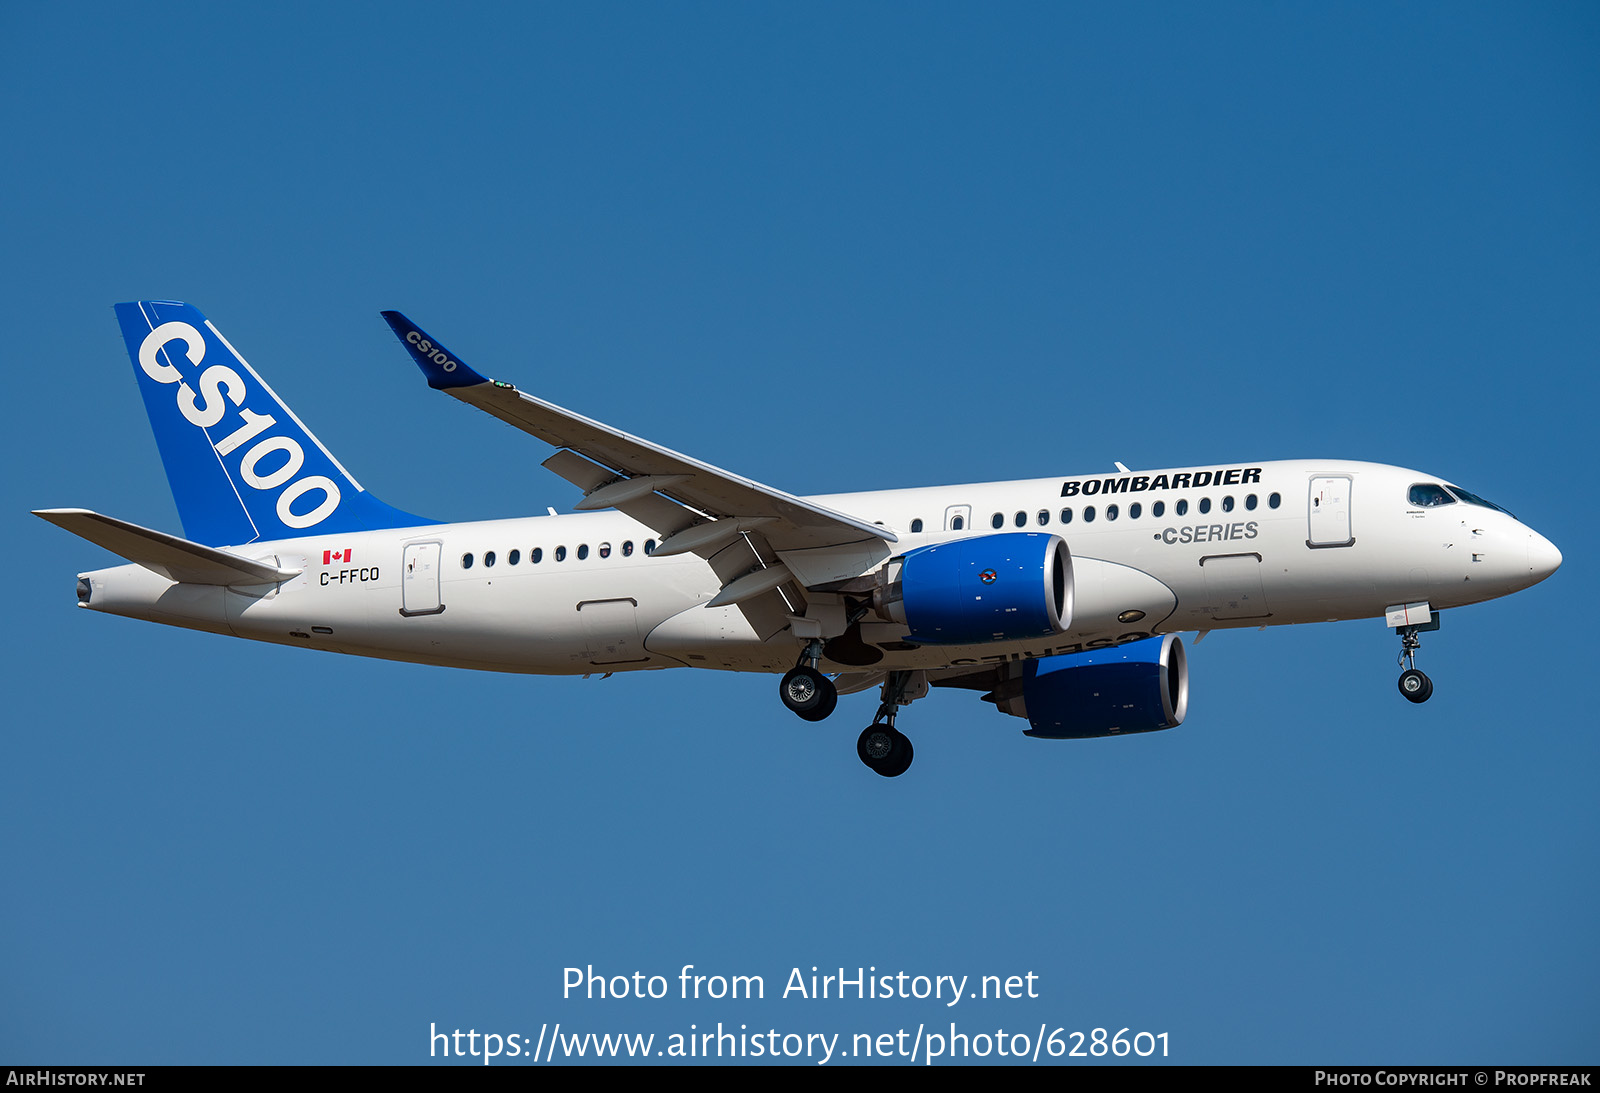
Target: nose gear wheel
pixel 1413 683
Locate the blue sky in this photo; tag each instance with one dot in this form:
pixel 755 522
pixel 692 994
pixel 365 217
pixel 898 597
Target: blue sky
pixel 833 247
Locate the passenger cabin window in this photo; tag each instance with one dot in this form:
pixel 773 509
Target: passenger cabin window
pixel 1426 495
pixel 536 555
pixel 1134 510
pixel 1022 519
pixel 1158 509
pixel 1111 512
pixel 514 557
pixel 583 551
pixel 1066 516
pixel 1274 501
pixel 1227 503
pixel 1250 502
pixel 1205 504
pixel 995 521
pixel 1043 518
pixel 627 548
pixel 649 546
pixel 1181 507
pixel 1088 514
pixel 488 558
pixel 561 553
pixel 605 550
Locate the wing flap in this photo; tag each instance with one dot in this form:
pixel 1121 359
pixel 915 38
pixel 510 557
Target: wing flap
pixel 697 485
pixel 652 510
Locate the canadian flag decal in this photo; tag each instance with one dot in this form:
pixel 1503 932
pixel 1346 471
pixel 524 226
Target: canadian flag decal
pixel 331 556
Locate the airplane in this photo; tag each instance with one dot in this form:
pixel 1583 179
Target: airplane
pixel 1060 599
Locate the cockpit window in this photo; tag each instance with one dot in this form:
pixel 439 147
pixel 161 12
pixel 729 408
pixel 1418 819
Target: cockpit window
pixel 1428 495
pixel 1474 499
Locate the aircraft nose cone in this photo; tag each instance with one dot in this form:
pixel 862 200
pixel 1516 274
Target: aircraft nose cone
pixel 1543 557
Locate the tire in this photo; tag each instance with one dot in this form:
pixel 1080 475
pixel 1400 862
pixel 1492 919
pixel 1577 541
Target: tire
pixel 808 693
pixel 830 700
pixel 902 757
pixel 884 750
pixel 1415 686
pixel 875 744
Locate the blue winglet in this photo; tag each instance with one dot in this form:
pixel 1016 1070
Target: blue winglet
pixel 442 367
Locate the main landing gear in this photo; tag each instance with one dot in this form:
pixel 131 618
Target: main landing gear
pixel 881 746
pixel 1416 686
pixel 805 690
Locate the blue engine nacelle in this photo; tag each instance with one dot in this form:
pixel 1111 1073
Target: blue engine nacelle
pixel 1007 587
pixel 1139 687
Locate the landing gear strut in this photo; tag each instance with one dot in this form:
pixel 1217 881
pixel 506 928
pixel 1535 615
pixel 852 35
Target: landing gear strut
pixel 1416 686
pixel 805 690
pixel 881 746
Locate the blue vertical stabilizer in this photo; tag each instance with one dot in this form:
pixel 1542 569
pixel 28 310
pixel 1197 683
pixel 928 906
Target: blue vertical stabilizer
pixel 241 465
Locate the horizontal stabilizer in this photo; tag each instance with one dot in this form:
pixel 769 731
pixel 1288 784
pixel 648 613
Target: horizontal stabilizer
pixel 167 555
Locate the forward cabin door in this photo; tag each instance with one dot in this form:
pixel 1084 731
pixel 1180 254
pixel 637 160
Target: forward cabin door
pixel 1328 512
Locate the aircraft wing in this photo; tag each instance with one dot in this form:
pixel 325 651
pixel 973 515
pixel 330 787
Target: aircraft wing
pixel 637 468
pixel 739 526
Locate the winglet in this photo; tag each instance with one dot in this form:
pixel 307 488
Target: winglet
pixel 443 368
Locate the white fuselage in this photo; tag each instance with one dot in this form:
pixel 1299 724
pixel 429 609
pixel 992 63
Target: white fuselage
pixel 1342 541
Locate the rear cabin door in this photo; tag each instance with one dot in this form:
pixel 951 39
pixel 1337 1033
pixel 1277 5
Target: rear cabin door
pixel 419 580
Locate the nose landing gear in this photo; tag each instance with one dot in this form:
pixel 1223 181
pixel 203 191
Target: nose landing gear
pixel 1415 685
